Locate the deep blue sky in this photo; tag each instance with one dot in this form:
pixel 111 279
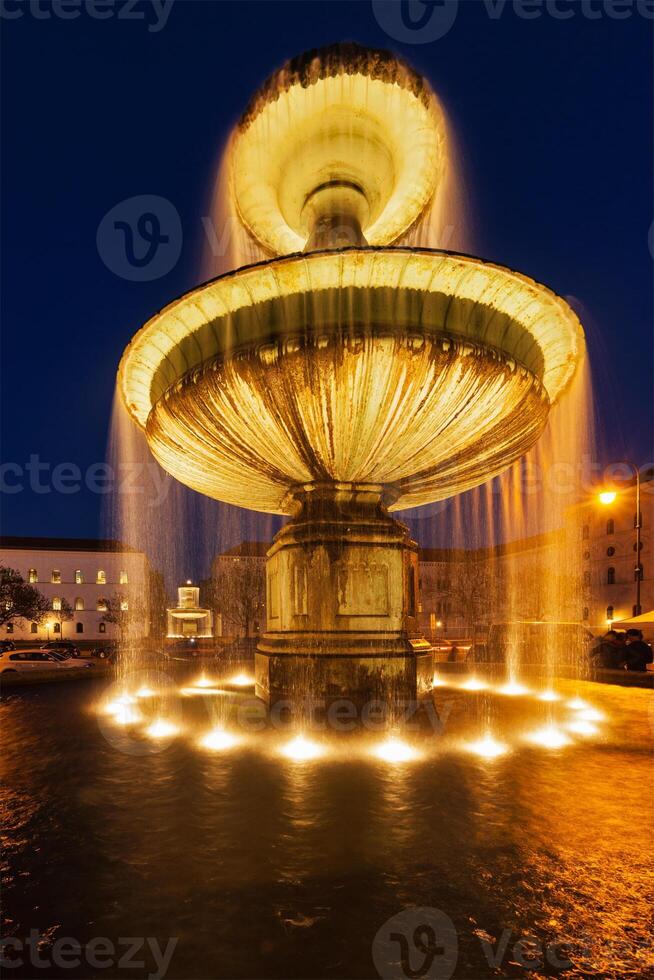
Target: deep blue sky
pixel 554 118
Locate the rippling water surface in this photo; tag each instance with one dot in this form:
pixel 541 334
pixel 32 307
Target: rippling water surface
pixel 263 866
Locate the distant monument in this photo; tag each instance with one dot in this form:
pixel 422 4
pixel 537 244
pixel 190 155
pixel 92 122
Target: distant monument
pixel 187 620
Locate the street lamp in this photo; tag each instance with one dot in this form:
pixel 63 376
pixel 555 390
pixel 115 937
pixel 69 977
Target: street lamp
pixel 607 497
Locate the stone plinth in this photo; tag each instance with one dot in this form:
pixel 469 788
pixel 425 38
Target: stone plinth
pixel 342 586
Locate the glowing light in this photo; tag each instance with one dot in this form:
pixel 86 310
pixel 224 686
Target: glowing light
pixel 395 750
pixel 439 623
pixel 474 684
pixel 203 681
pixel 126 714
pixel 145 692
pixel 549 737
pixel 301 749
pixel 590 714
pixel 438 681
pixel 577 704
pixel 549 696
pixel 189 692
pixel 161 729
pixel 241 680
pixel 118 704
pixel 607 497
pixel 218 740
pixel 513 689
pixel 487 747
pixel 581 727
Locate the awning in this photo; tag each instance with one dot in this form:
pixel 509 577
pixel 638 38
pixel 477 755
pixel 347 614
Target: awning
pixel 645 619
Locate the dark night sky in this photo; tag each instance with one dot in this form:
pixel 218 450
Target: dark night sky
pixel 554 118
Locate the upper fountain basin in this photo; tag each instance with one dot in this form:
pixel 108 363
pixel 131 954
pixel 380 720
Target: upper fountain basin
pixel 420 370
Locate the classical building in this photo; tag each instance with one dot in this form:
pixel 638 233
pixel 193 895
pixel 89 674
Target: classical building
pixel 88 574
pixel 607 544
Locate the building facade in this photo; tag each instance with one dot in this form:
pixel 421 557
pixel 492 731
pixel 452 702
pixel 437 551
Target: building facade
pixel 89 574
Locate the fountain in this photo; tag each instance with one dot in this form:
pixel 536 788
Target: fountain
pixel 348 375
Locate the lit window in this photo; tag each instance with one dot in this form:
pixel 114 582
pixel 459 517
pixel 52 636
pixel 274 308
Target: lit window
pixel 56 603
pixel 34 628
pixel 123 578
pixel 101 605
pixel 56 576
pixel 610 526
pixel 609 612
pixel 10 627
pixel 32 576
pixel 79 577
pixel 124 605
pixel 79 627
pixel 79 604
pixel 101 577
pixel 102 628
pixel 56 628
pixel 610 576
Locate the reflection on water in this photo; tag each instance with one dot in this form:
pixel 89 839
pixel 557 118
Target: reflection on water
pixel 265 866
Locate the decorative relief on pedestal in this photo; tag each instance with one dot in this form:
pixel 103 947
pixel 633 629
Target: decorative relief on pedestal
pixel 272 577
pixel 362 588
pixel 300 591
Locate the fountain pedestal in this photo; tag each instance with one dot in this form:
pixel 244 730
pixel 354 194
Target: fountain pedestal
pixel 342 587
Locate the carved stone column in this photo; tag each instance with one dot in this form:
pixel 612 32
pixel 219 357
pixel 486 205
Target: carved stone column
pixel 342 584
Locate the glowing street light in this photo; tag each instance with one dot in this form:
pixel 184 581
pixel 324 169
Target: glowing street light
pixel 607 497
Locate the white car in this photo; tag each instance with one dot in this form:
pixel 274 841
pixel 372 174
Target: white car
pixel 15 661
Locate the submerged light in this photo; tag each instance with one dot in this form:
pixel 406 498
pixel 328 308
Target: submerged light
pixel 302 749
pixel 474 684
pixel 395 750
pixel 549 737
pixel 513 689
pixel 487 747
pixel 160 728
pixel 218 740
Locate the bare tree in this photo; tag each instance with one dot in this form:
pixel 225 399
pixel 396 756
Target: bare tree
pixel 129 617
pixel 18 600
pixel 238 593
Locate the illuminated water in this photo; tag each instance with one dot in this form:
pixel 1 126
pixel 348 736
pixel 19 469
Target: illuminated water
pixel 272 866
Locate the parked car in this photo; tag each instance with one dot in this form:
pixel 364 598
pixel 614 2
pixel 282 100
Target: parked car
pixel 62 646
pixel 7 645
pixel 105 651
pixel 17 661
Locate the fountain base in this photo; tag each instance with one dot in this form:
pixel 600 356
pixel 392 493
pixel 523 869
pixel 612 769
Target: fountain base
pixel 342 586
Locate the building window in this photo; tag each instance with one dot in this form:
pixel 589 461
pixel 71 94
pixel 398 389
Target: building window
pixel 55 578
pixel 102 628
pixel 101 577
pixel 609 613
pixel 586 555
pixel 34 628
pixel 585 532
pixel 124 605
pixel 79 627
pixel 585 614
pixel 32 576
pixel 610 526
pixel 122 578
pixel 101 605
pixel 79 604
pixel 610 576
pixel 586 578
pixel 610 551
pixel 56 604
pixel 79 577
pixel 56 628
pixel 10 627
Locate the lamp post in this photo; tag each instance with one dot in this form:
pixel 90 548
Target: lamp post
pixel 607 497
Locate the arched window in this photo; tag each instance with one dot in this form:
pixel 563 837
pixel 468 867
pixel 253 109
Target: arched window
pixel 610 551
pixel 610 526
pixel 101 605
pixel 79 577
pixel 610 576
pixel 10 627
pixel 124 605
pixel 79 627
pixel 55 578
pixel 586 578
pixel 102 628
pixel 609 613
pixel 122 578
pixel 101 577
pixel 32 576
pixel 585 614
pixel 56 604
pixel 79 604
pixel 56 628
pixel 34 628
